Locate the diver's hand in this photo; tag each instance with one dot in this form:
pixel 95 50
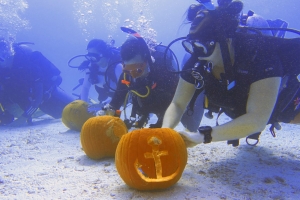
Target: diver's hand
pixel 106 101
pixel 109 110
pixel 191 139
pixel 84 65
pixel 94 108
pixel 157 125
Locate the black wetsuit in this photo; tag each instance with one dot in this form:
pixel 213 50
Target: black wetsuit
pixel 32 83
pixel 256 58
pixel 162 85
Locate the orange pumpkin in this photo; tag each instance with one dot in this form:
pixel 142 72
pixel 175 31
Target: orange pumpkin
pixel 149 159
pixel 100 136
pixel 75 114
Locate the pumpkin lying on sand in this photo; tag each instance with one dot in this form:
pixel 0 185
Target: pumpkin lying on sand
pixel 150 159
pixel 100 136
pixel 75 114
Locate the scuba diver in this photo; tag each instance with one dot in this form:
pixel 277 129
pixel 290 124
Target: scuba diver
pixel 193 115
pixel 102 67
pixel 28 82
pixel 145 80
pixel 251 77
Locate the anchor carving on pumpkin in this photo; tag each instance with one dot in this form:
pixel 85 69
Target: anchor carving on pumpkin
pixel 154 142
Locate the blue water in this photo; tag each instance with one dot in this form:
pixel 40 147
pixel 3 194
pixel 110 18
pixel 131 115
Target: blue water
pixel 61 29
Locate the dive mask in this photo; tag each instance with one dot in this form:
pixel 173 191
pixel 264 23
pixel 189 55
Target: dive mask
pixel 201 49
pixel 135 70
pixel 93 57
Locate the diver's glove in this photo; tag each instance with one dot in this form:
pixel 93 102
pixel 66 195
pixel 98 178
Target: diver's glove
pixel 129 122
pixel 99 110
pixel 106 101
pixel 84 65
pixel 157 125
pixel 107 110
pixel 94 108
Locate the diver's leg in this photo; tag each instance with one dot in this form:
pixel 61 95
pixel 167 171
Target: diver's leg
pixel 14 109
pixel 56 103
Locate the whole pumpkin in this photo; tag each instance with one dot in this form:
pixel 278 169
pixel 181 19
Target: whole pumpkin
pixel 149 159
pixel 100 136
pixel 75 114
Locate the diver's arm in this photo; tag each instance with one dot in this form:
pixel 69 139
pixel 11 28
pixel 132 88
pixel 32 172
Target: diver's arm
pixel 118 70
pixel 182 97
pixel 35 99
pixel 261 101
pixel 84 95
pixel 120 94
pixel 260 104
pixel 32 103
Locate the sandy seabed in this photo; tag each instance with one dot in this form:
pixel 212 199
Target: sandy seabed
pixel 45 161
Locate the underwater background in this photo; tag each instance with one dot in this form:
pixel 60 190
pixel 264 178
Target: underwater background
pixel 62 29
pixel 46 161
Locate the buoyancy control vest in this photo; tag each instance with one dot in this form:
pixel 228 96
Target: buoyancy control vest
pixel 50 74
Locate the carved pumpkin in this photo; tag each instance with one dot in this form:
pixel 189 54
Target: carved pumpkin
pixel 149 159
pixel 100 136
pixel 75 114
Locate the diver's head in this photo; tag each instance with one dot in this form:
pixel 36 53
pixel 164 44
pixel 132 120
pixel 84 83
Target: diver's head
pixel 99 53
pixel 211 26
pixel 215 23
pixel 195 8
pixel 6 53
pixel 135 56
pixel 207 4
pixel 258 21
pixel 224 3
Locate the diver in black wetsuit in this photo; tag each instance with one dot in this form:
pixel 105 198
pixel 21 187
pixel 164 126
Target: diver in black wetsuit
pixel 102 60
pixel 29 80
pixel 147 80
pixel 253 78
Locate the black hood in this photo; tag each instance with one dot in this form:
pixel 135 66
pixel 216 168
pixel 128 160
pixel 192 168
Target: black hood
pixel 215 24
